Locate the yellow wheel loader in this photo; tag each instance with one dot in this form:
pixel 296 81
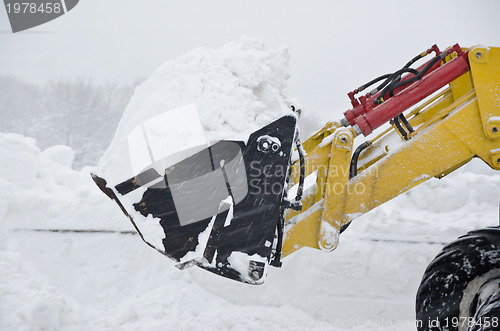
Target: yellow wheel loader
pixel 235 208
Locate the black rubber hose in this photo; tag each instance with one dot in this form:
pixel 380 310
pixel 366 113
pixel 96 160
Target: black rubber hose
pixel 394 76
pixel 353 167
pixel 373 81
pixel 420 74
pixel 353 170
pixel 406 68
pixel 276 261
pixel 302 161
pixel 392 83
pixel 415 59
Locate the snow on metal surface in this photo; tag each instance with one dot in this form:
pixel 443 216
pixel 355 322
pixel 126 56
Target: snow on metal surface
pixel 300 217
pixel 241 262
pixel 197 254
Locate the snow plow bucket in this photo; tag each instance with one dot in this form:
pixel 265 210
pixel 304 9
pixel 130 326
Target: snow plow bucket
pixel 218 209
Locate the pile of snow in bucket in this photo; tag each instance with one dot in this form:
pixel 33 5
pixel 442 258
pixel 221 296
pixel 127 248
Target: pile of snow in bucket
pixel 112 280
pixel 237 89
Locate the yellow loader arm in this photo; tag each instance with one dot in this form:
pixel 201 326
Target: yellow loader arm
pixel 456 116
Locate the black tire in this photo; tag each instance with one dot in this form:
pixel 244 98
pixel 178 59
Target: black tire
pixel 452 280
pixel 488 315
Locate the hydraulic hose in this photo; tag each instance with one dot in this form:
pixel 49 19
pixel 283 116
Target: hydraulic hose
pixel 353 170
pixel 353 167
pixel 397 83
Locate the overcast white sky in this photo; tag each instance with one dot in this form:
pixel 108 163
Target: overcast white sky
pixel 335 45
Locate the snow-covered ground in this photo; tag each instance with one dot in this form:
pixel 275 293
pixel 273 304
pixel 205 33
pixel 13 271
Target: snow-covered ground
pixel 112 280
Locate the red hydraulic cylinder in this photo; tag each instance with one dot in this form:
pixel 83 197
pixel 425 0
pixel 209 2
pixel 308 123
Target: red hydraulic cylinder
pixel 367 104
pixel 367 100
pixel 413 94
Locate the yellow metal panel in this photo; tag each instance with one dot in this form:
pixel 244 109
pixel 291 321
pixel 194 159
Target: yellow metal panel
pixel 330 157
pixel 427 155
pixel 302 227
pixel 302 231
pixel 485 69
pixel 335 189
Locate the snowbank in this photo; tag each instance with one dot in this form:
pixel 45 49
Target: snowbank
pixel 37 187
